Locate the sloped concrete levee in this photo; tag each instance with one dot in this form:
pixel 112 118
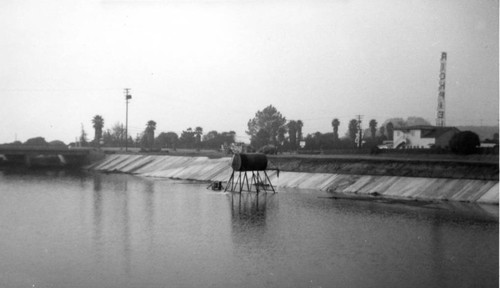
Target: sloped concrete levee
pixel 390 186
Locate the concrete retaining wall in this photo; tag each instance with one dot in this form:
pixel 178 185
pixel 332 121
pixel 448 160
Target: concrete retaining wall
pixel 206 169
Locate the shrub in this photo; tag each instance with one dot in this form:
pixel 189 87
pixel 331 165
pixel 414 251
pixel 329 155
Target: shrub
pixel 36 141
pixel 464 143
pixel 57 143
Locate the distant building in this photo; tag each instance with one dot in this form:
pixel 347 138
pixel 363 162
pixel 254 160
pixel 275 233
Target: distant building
pixel 423 136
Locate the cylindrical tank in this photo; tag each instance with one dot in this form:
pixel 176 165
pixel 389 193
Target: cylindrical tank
pixel 249 162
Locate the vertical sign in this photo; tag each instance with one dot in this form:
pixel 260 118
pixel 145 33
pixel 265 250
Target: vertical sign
pixel 440 120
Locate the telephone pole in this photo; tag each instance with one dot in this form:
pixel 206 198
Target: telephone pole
pixel 127 98
pixel 360 132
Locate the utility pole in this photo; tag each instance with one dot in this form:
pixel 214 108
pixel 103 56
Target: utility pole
pixel 127 98
pixel 360 131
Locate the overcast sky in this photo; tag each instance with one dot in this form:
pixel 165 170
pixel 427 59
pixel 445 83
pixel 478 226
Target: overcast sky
pixel 215 63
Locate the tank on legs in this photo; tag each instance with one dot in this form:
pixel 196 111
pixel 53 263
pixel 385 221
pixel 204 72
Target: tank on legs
pixel 249 162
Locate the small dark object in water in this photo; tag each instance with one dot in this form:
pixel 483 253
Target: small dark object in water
pixel 216 186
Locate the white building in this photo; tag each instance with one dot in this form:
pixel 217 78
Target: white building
pixel 423 136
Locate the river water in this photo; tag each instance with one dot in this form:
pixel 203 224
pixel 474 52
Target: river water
pixel 74 229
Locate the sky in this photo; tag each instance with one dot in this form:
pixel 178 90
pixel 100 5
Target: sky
pixel 215 63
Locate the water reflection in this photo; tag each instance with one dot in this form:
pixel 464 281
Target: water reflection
pixel 111 217
pixel 436 243
pixel 248 209
pixel 139 232
pixel 97 215
pixel 149 212
pixel 249 212
pixel 432 211
pixel 126 227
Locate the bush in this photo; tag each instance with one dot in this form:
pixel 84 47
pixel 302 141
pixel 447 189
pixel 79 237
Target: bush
pixel 36 141
pixel 57 143
pixel 464 143
pixel 268 149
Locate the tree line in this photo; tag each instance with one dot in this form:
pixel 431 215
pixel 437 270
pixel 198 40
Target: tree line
pixel 146 140
pixel 268 128
pixel 269 131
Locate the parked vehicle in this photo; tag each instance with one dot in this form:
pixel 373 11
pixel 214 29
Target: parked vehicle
pixel 385 145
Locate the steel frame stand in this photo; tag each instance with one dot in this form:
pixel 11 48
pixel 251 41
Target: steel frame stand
pixel 238 183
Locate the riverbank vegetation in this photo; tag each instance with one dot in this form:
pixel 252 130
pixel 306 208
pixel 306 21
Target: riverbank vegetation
pixel 271 132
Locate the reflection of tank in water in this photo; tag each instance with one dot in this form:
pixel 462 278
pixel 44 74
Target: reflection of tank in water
pixel 249 209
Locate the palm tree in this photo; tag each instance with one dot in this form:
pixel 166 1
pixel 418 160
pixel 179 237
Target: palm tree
pixel 98 123
pixel 335 125
pixel 281 135
pixel 390 130
pixel 373 127
pixel 83 138
pixel 353 129
pixel 150 132
pixel 300 124
pixel 197 132
pixel 292 133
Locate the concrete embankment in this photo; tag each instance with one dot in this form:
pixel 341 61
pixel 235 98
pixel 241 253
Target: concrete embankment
pixel 456 181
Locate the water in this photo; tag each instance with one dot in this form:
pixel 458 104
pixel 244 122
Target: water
pixel 61 229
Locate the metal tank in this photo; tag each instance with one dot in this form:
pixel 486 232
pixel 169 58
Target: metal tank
pixel 249 162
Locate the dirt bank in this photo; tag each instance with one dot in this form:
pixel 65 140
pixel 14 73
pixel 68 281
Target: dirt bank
pixel 379 166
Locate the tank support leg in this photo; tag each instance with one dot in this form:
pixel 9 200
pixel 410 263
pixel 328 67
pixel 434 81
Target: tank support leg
pixel 269 181
pixel 241 182
pixel 246 179
pixel 256 179
pixel 230 182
